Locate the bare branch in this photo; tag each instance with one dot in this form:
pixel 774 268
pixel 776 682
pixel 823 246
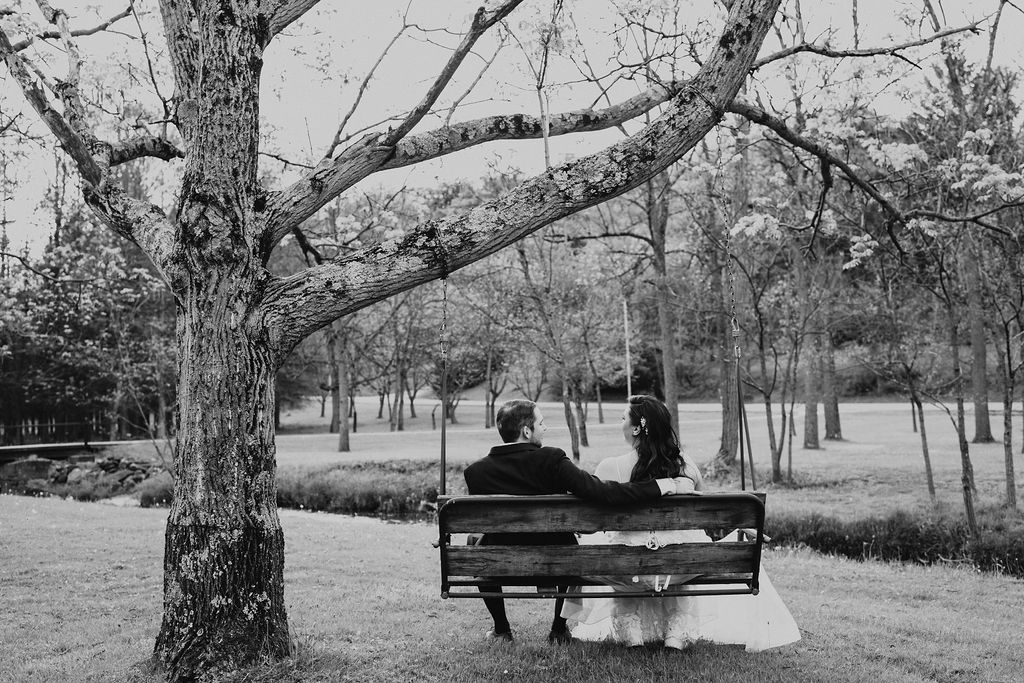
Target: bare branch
pixel 330 178
pixel 896 216
pixel 70 140
pixel 482 21
pixel 362 90
pixel 48 35
pixel 149 65
pixel 978 218
pixel 458 100
pixel 28 266
pixel 779 127
pixel 891 50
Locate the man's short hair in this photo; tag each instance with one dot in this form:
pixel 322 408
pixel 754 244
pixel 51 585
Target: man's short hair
pixel 512 417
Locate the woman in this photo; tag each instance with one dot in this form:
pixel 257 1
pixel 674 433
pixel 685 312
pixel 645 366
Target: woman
pixel 758 622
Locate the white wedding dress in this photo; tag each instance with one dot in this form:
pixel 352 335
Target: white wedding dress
pixel 757 622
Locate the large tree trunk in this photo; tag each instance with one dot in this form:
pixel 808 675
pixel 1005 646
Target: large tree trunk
pixel 224 548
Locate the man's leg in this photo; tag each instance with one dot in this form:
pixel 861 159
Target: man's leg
pixel 496 607
pixel 559 629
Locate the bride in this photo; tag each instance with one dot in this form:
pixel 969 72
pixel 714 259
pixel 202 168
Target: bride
pixel 757 621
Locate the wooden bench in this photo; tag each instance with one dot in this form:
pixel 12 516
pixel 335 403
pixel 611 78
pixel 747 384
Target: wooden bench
pixel 726 567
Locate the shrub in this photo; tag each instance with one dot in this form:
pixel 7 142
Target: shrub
pixel 86 490
pixel 156 491
pixel 389 488
pixel 909 537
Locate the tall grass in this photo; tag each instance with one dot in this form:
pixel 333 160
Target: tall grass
pixel 924 537
pixel 388 488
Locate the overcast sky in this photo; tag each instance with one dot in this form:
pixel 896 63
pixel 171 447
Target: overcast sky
pixel 311 77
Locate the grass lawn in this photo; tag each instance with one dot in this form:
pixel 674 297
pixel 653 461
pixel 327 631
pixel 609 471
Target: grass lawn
pixel 80 584
pixel 80 598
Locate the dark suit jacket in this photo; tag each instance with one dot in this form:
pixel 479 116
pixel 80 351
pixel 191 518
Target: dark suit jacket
pixel 526 469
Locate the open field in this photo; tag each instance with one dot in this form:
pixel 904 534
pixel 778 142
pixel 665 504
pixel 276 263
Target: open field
pixel 80 586
pixel 877 467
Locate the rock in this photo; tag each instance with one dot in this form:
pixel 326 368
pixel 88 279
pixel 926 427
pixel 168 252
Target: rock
pixel 35 487
pixel 76 475
pixel 21 471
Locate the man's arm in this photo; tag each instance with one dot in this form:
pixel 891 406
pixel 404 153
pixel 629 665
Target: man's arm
pixel 584 485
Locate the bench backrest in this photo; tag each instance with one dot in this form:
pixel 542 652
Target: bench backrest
pixel 723 567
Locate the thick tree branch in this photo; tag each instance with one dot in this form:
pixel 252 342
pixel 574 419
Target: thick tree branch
pixel 144 145
pixel 298 305
pixel 891 50
pixel 331 177
pixel 287 13
pixel 49 35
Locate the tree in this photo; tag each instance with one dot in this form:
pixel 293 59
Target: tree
pixel 224 550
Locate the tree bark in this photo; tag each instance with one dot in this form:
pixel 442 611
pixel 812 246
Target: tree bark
pixel 224 548
pixel 979 345
pixel 332 362
pixel 581 417
pixel 915 401
pixel 570 419
pixel 728 365
pixel 811 393
pixel 657 223
pixel 829 395
pixel 344 392
pixel 1002 348
pixel 966 468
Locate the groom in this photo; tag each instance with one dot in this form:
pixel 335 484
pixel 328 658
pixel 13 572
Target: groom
pixel 523 466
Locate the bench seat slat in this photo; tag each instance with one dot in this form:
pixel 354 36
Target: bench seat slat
pixel 614 560
pixel 491 514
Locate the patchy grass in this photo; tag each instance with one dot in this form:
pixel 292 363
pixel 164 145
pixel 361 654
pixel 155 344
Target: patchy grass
pixel 81 601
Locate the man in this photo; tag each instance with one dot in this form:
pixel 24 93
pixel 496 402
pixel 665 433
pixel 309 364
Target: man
pixel 523 466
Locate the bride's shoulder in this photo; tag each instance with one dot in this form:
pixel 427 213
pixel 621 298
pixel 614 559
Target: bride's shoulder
pixel 611 468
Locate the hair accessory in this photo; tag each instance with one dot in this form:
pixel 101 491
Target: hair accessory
pixel 643 425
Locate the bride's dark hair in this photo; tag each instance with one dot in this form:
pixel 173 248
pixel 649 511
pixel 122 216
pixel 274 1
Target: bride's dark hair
pixel 656 443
